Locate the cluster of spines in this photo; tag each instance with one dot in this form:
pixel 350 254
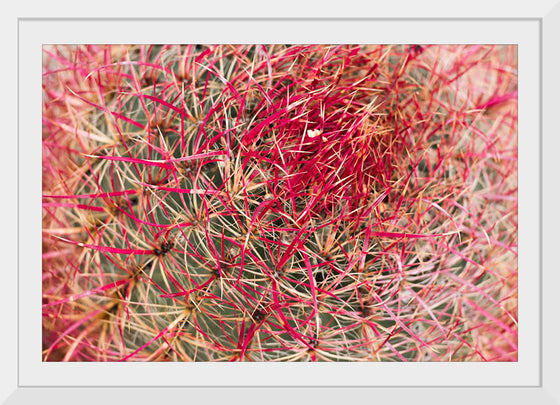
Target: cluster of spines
pixel 279 203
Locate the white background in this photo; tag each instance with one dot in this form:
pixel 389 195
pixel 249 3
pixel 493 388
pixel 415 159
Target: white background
pixel 525 372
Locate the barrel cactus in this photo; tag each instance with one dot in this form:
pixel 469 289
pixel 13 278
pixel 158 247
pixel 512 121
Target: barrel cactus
pixel 279 203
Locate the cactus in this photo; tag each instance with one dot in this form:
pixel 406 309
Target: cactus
pixel 279 203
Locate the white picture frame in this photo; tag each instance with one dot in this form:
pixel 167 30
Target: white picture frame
pixel 26 379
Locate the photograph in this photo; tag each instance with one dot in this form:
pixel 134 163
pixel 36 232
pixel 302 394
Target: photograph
pixel 279 202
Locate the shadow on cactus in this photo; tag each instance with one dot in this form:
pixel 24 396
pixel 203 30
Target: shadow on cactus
pixel 280 203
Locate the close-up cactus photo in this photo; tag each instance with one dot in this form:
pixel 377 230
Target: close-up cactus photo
pixel 215 202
